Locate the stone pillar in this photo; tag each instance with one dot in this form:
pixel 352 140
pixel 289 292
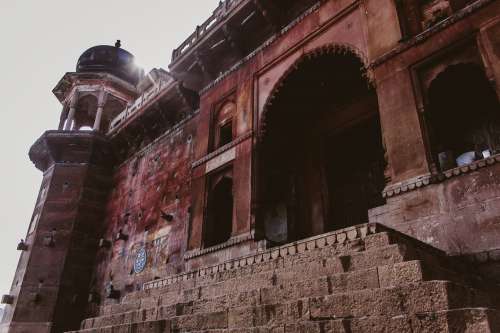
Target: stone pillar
pixel 401 127
pixel 62 119
pixel 489 41
pixel 72 111
pixel 100 109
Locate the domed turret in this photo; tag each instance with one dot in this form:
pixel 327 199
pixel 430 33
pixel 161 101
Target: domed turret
pixel 110 59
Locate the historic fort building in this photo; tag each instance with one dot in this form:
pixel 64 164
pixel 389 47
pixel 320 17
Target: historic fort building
pixel 303 166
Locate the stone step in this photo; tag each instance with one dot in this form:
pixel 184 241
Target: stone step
pixel 363 284
pixel 155 326
pixel 320 261
pixel 279 272
pixel 289 289
pixel 463 320
pixel 291 254
pixel 424 297
pixel 345 240
pixel 286 269
pixel 429 296
pixel 468 320
pixel 348 277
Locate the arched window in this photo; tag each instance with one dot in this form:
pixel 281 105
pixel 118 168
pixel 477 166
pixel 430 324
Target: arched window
pixel 223 132
pixel 463 115
pixel 85 112
pixel 219 221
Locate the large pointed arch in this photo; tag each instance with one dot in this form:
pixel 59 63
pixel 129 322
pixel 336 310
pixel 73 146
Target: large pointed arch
pixel 340 49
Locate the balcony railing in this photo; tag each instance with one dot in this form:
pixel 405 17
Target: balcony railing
pixel 139 104
pixel 224 8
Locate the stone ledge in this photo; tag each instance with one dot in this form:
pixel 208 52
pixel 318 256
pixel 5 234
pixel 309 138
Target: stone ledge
pixel 328 239
pixel 222 150
pixel 231 242
pixel 469 167
pixel 407 185
pixel 425 180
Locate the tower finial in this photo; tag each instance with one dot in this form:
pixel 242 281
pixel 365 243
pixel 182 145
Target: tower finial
pixel 118 43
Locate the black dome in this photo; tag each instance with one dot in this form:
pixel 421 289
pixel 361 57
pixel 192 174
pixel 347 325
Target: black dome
pixel 110 59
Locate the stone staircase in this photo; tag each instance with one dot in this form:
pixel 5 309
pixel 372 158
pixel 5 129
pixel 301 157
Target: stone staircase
pixel 366 278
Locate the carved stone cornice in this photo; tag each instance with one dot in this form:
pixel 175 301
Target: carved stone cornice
pixel 407 185
pixel 231 242
pixel 223 149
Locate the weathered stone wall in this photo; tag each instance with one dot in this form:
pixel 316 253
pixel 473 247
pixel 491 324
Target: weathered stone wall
pixel 460 215
pixel 150 203
pixel 394 68
pixel 369 31
pixel 342 24
pixel 158 196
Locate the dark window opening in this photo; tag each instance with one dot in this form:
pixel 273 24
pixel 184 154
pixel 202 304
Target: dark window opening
pixel 222 133
pixel 463 116
pixel 225 134
pixel 219 222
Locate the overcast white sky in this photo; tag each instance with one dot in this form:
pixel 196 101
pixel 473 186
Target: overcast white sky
pixel 39 42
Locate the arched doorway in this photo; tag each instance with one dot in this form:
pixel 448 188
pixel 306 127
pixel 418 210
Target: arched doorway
pixel 321 158
pixel 463 116
pixel 85 112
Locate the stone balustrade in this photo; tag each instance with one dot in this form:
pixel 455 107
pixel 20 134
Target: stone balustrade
pixel 218 15
pixel 144 100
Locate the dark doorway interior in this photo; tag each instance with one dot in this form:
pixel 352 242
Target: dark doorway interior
pixel 218 228
pixel 355 173
pixel 321 161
